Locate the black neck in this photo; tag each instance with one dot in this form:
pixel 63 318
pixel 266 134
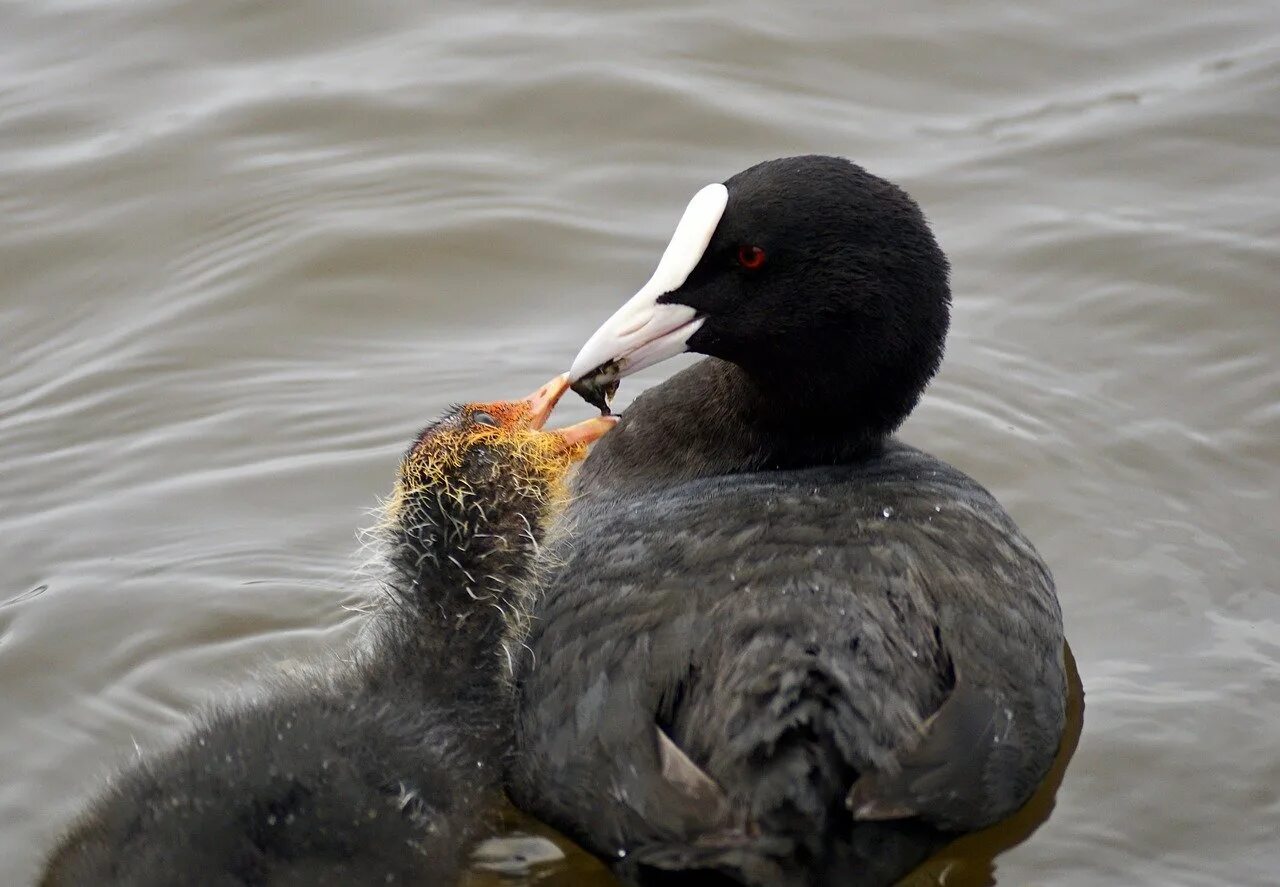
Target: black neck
pixel 714 418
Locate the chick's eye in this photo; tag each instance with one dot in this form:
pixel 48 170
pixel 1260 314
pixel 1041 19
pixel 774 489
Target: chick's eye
pixel 750 257
pixel 483 418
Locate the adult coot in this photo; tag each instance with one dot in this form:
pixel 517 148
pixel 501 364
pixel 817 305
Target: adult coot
pixel 775 643
pixel 378 772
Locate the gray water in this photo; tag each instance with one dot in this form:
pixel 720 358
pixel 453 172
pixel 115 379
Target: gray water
pixel 247 248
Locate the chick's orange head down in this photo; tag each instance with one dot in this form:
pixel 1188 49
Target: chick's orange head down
pixel 503 441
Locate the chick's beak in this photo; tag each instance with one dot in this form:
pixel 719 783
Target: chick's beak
pixel 586 432
pixel 544 400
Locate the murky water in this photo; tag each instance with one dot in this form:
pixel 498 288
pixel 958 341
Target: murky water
pixel 248 247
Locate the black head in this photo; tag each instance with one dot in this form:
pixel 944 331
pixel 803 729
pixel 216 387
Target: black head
pixel 820 280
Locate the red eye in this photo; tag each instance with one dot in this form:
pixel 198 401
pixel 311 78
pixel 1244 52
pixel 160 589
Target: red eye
pixel 750 257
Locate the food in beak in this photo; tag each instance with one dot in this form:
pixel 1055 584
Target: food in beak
pixel 598 386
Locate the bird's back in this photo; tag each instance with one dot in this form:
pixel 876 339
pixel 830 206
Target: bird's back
pixel 790 631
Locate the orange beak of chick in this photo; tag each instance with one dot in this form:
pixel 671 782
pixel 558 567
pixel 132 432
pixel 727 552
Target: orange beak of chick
pixel 544 400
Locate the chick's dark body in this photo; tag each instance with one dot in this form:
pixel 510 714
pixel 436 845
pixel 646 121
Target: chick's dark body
pixel 328 783
pixel 379 768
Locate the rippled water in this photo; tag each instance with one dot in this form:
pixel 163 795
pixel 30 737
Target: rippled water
pixel 248 247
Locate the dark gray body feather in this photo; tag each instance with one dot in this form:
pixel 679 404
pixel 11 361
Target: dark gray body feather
pixel 792 631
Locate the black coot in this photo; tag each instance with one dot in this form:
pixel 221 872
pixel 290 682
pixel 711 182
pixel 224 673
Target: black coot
pixel 379 772
pixel 775 644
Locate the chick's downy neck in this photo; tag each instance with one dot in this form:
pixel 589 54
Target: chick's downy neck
pixel 459 556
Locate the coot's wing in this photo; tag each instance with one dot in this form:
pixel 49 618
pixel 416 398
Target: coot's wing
pixel 704 793
pixel 944 776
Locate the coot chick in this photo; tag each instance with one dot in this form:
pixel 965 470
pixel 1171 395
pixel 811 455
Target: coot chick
pixel 378 771
pixel 777 645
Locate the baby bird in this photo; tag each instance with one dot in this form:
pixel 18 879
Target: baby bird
pixel 377 770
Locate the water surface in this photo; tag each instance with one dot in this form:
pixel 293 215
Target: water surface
pixel 249 247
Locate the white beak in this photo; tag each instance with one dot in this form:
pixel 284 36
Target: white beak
pixel 643 332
